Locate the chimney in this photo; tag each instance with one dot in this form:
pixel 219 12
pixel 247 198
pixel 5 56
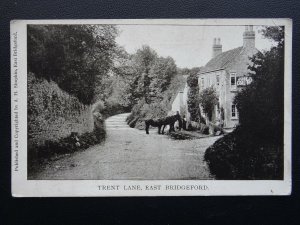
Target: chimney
pixel 249 37
pixel 217 47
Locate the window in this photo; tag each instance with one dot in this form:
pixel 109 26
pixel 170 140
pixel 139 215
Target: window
pixel 233 80
pixel 233 111
pixel 218 80
pixel 202 82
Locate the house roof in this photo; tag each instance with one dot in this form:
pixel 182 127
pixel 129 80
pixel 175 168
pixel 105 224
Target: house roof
pixel 221 61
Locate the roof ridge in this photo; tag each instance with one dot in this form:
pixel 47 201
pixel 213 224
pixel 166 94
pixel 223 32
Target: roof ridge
pixel 222 60
pixel 231 50
pixel 230 60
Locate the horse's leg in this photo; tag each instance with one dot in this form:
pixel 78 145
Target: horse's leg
pixel 163 129
pixel 171 127
pixel 147 127
pixel 159 129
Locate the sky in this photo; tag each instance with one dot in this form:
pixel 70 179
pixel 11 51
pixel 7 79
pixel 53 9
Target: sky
pixel 189 46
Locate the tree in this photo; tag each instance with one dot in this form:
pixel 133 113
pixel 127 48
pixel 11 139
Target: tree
pixel 153 84
pixel 76 57
pixel 261 103
pixel 161 73
pixel 193 96
pixel 275 34
pixel 208 99
pixel 143 59
pixel 139 65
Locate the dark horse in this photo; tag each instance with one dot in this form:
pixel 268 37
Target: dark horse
pixel 169 120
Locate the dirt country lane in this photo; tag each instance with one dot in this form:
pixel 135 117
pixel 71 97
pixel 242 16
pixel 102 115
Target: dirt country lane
pixel 129 153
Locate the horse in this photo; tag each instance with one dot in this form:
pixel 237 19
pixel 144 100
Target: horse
pixel 163 122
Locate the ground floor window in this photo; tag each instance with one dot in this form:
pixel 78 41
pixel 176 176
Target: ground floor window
pixel 233 111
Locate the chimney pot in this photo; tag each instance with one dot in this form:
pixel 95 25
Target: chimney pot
pixel 249 37
pixel 217 47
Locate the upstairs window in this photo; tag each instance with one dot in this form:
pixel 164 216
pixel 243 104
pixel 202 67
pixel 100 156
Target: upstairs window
pixel 233 112
pixel 233 80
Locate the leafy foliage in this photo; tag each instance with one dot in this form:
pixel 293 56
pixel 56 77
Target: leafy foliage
pixel 274 33
pixel 208 99
pixel 156 109
pixel 161 74
pixel 193 95
pixel 237 156
pixel 153 84
pixel 76 57
pixel 53 114
pixel 142 62
pixel 260 104
pixel 66 68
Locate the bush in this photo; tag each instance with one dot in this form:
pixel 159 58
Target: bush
pixel 113 108
pixel 240 156
pixel 208 99
pixel 204 129
pixel 157 108
pixel 194 126
pixel 53 115
pixel 74 142
pixel 143 111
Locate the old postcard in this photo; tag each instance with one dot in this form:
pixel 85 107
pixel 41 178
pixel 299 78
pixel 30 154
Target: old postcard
pixel 152 107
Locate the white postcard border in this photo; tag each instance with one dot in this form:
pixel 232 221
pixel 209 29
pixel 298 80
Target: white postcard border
pixel 21 187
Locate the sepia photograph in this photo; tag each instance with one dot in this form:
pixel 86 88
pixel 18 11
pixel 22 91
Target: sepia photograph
pixel 155 101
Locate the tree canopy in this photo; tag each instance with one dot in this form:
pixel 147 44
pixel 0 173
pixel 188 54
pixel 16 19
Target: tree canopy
pixel 76 57
pixel 148 75
pixel 86 62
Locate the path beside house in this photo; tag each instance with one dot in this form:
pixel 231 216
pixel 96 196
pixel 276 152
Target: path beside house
pixel 129 153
